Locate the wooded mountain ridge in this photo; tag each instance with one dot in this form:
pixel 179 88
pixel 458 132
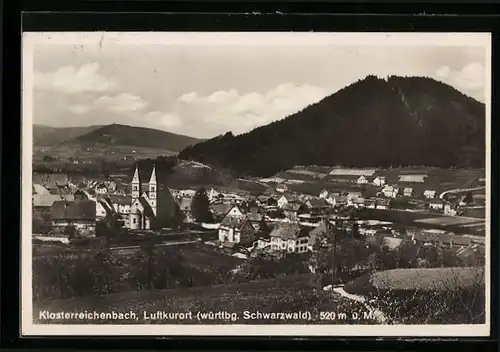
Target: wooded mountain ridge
pixel 372 122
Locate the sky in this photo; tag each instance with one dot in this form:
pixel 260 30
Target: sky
pixel 206 86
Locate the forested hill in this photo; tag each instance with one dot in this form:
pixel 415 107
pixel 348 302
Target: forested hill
pixel 372 122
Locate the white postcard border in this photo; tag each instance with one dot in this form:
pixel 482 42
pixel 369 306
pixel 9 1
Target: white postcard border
pixel 31 39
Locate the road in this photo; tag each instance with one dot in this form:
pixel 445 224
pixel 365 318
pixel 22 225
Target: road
pixel 157 245
pixel 460 190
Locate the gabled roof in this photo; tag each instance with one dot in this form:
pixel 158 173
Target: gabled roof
pixel 323 227
pixel 148 212
pixel 292 206
pixel 412 178
pixel 120 199
pixel 50 180
pixel 236 223
pixel 221 208
pixel 39 189
pixel 71 210
pixel 317 203
pixel 289 231
pixel 290 197
pixel 351 195
pixel 46 200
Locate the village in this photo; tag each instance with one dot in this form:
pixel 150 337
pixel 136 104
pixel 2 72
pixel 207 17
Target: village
pixel 242 225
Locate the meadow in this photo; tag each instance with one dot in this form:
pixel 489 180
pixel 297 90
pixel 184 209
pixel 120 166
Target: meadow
pixel 283 294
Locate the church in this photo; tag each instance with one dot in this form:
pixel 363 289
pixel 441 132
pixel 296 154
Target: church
pixel 153 206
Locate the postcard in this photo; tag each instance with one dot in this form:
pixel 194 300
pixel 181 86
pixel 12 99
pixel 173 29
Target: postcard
pixel 241 183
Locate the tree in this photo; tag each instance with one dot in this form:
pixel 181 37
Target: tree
pixel 200 206
pixel 469 199
pixel 70 231
pixel 263 229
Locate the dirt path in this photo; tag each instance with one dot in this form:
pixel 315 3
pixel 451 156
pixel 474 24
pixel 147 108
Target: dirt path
pixel 460 190
pixel 379 315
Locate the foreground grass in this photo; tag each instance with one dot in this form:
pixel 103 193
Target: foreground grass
pixel 287 294
pixel 426 295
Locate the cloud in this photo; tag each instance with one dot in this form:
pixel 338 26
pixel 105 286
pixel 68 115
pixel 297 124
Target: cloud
pixel 122 103
pixel 471 79
pixel 72 80
pixel 231 110
pixel 162 119
pixel 79 109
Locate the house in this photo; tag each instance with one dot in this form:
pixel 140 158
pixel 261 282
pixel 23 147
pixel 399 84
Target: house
pixel 290 237
pixel 103 208
pixel 408 192
pixel 448 209
pixel 287 198
pixel 153 206
pixel 236 212
pixel 336 200
pixel 429 194
pixel 236 230
pixel 316 205
pixel 46 200
pixel 185 207
pixel 412 178
pixel 255 218
pixel 219 210
pixel 213 195
pixel 390 191
pixel 80 215
pixel 122 206
pixel 39 189
pixel 292 210
pixel 101 189
pixel 362 180
pixel 379 181
pixel 81 195
pixel 50 181
pixel 381 203
pixel 436 204
pixel 323 194
pixel 281 188
pixel 354 198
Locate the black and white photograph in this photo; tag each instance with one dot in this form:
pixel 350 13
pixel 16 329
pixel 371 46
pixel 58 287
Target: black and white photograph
pixel 244 183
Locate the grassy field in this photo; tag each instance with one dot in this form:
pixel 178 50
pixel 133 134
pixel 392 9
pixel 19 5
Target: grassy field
pixel 104 152
pixel 426 295
pixel 285 294
pixel 429 220
pixel 422 279
pixel 437 179
pixel 450 221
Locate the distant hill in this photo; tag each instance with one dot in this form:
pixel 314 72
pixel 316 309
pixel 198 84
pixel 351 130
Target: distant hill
pixel 372 122
pixel 116 135
pixel 47 136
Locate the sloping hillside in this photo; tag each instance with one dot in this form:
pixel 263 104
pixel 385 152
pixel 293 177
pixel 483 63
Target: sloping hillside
pixel 122 135
pixel 47 136
pixel 373 122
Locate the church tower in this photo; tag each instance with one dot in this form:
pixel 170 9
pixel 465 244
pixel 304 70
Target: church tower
pixel 153 191
pixel 136 185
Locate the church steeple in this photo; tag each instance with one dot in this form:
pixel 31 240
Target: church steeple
pixel 136 184
pixel 153 190
pixel 152 180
